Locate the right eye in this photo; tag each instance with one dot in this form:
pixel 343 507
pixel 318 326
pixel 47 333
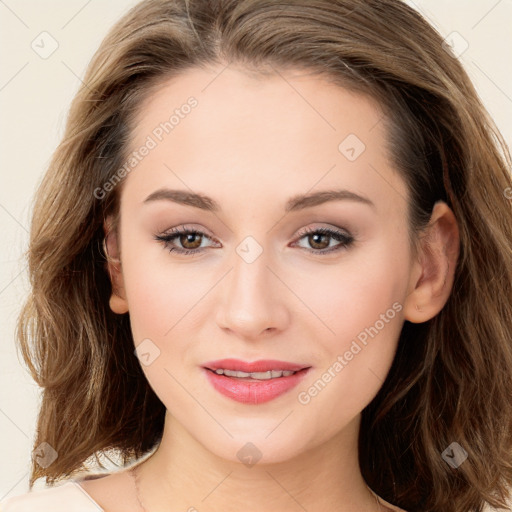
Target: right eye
pixel 187 238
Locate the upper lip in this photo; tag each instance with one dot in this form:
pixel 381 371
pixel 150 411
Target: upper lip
pixel 263 365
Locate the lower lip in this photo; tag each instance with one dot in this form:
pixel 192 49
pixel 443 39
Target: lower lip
pixel 253 391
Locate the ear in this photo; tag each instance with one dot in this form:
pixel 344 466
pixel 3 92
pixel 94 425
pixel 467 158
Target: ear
pixel 118 303
pixel 433 272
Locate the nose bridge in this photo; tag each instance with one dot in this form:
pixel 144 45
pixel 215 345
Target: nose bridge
pixel 250 277
pixel 251 301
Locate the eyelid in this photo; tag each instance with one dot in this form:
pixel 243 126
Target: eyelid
pixel 313 229
pixel 186 228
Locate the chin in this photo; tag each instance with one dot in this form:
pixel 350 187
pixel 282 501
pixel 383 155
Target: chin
pixel 255 447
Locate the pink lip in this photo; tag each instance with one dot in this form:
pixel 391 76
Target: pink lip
pixel 253 391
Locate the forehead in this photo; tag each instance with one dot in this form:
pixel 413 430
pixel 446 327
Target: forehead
pixel 286 130
pixel 242 98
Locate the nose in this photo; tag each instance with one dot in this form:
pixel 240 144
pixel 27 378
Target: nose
pixel 251 300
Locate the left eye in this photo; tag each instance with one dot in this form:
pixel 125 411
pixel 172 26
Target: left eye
pixel 315 236
pixel 191 240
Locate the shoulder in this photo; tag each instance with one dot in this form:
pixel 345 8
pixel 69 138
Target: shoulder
pixel 68 497
pixel 114 492
pixel 111 492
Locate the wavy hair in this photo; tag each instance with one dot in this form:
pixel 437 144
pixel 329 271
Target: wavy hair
pixel 451 379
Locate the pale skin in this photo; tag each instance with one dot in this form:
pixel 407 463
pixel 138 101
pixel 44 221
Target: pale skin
pixel 250 144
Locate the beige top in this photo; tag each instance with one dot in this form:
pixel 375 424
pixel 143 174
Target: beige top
pixel 67 497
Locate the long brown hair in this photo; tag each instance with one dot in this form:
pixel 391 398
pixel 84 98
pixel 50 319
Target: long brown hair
pixel 451 380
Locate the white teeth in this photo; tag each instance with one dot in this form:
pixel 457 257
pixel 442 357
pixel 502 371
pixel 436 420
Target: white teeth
pixel 271 374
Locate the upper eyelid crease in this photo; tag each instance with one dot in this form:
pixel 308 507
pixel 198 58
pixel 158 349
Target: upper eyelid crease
pixel 296 203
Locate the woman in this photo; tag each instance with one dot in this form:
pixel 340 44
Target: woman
pixel 271 267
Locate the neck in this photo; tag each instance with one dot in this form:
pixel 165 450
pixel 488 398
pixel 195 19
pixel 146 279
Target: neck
pixel 183 475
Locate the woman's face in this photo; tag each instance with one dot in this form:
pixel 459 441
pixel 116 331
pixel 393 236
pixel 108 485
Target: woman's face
pixel 264 284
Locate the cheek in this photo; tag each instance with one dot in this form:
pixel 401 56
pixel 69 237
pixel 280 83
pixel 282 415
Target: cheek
pixel 159 292
pixel 163 301
pixel 351 295
pixel 360 303
pixel 159 296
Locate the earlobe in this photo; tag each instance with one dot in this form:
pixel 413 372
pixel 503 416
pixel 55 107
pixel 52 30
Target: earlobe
pixel 433 273
pixel 118 303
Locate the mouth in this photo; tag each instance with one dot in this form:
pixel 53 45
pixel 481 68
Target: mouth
pixel 259 370
pixel 254 382
pixel 270 374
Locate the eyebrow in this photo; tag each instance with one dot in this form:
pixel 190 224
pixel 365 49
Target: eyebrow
pixel 295 203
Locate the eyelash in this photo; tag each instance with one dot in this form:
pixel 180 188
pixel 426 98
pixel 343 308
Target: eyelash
pixel 346 240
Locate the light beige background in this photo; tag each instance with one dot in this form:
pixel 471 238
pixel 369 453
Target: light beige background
pixel 35 94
